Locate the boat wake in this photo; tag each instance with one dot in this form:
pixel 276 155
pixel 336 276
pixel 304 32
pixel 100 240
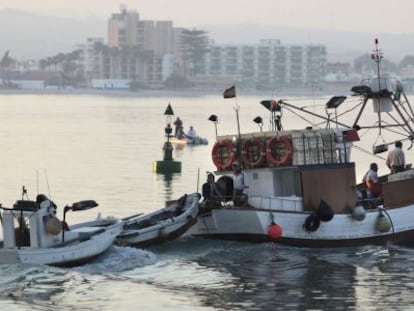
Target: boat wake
pixel 119 259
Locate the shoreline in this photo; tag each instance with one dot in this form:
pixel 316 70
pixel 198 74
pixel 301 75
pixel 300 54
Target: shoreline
pixel 331 91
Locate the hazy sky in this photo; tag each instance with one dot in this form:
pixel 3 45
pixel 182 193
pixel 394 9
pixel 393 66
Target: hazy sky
pixel 375 16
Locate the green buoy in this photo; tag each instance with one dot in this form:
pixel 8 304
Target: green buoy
pixel 167 165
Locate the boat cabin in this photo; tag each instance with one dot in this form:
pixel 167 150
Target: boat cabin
pixel 294 170
pixel 28 224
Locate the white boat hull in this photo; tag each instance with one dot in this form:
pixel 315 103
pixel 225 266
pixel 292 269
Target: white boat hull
pixel 249 224
pixel 70 253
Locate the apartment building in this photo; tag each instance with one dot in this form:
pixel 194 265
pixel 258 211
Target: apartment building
pixel 268 64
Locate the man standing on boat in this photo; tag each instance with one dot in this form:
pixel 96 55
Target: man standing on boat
pixel 396 158
pixel 178 128
pixel 240 185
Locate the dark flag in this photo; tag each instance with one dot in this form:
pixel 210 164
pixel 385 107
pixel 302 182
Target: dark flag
pixel 230 92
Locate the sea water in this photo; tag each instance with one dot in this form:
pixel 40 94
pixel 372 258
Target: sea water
pixel 74 147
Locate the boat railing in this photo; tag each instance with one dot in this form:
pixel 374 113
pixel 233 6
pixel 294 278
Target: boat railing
pixel 291 203
pixel 320 147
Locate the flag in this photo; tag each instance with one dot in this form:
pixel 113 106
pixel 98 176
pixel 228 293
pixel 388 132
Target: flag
pixel 230 92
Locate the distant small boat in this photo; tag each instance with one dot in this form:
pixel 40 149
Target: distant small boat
pixel 32 234
pixel 195 141
pixel 165 224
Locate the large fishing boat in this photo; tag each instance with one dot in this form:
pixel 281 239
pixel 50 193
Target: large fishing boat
pixel 303 188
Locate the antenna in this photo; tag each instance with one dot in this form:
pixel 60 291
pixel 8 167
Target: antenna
pixel 377 56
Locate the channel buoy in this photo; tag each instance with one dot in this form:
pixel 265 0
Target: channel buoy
pixel 275 231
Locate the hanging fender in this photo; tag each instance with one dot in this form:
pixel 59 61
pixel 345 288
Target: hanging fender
pixel 279 151
pixel 312 223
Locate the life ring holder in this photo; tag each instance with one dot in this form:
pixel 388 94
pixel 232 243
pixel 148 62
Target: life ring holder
pixel 286 158
pixel 258 159
pixel 223 154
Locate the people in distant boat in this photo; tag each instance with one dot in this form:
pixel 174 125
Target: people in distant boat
pixel 210 189
pixel 372 182
pixel 240 185
pixel 191 134
pixel 396 158
pixel 179 128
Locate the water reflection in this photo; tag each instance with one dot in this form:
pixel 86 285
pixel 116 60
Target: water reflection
pixel 168 185
pixel 271 277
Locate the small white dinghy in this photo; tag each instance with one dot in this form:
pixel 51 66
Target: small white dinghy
pixel 32 234
pixel 162 225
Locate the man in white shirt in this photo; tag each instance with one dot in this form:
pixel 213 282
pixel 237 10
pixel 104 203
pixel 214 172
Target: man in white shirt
pixel 240 185
pixel 191 133
pixel 396 158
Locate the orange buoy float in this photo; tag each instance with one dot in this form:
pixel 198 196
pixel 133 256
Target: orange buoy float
pixel 253 153
pixel 223 154
pixel 279 151
pixel 275 231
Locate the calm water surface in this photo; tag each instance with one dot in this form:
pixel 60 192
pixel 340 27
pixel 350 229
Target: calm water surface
pixel 75 147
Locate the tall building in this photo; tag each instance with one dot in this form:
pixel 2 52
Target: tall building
pixel 141 44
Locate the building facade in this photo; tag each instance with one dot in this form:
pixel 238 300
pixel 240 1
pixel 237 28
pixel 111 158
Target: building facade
pixel 149 52
pixel 268 65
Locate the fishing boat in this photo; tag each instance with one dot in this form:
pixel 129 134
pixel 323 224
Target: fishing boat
pixel 161 225
pixel 303 189
pixel 32 234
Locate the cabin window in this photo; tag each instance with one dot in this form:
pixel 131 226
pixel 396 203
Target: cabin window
pixel 286 183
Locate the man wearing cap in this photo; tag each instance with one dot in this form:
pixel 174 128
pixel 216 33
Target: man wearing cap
pixel 240 185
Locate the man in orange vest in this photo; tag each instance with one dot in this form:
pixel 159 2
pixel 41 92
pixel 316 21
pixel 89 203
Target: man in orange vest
pixel 372 183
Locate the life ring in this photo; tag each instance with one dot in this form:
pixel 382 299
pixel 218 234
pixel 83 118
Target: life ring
pixel 223 154
pixel 279 151
pixel 253 152
pixel 312 223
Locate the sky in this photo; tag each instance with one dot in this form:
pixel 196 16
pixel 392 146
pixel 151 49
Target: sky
pixel 374 16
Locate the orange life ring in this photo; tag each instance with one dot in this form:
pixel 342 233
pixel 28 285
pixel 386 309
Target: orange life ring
pixel 253 152
pixel 223 154
pixel 279 151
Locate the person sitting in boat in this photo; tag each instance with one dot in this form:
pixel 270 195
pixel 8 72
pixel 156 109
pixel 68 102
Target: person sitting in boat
pixel 240 185
pixel 372 183
pixel 191 134
pixel 210 189
pixel 396 158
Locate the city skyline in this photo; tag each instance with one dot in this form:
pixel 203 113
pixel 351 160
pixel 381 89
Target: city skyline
pixel 352 15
